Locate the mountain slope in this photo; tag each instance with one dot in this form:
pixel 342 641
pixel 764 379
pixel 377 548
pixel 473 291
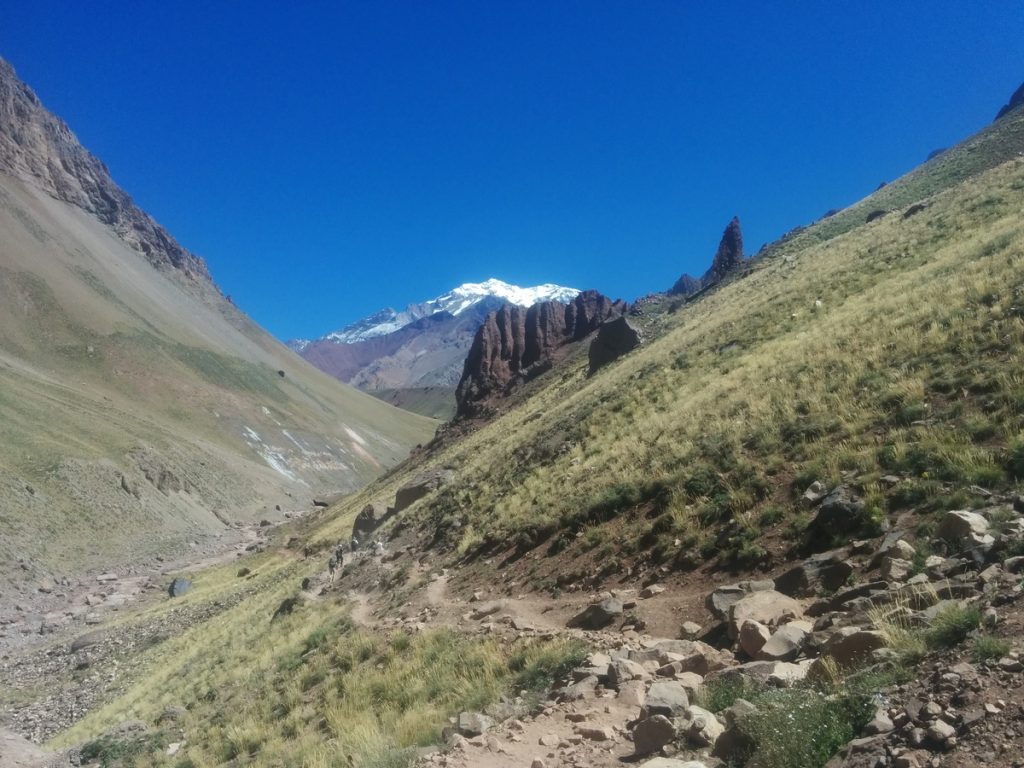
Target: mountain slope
pixel 139 410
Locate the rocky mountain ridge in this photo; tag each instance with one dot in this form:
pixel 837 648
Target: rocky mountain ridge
pixel 423 347
pixel 39 148
pixel 728 258
pixel 515 344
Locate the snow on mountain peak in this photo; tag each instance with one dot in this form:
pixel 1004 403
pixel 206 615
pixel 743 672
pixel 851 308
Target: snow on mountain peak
pixel 456 301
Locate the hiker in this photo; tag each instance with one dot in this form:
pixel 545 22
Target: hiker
pixel 355 544
pixel 337 561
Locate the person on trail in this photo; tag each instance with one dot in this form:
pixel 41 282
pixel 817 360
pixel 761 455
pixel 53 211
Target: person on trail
pixel 337 561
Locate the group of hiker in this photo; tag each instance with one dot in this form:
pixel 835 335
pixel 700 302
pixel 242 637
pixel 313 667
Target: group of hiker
pixel 337 561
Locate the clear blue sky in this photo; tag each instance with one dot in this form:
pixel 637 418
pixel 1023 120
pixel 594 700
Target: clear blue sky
pixel 331 158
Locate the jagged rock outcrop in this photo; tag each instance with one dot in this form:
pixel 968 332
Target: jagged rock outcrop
pixel 729 255
pixel 614 339
pixel 686 285
pixel 39 148
pixel 728 258
pixel 1015 101
pixel 515 344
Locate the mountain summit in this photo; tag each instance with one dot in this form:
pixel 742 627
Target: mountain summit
pixel 455 302
pixel 414 358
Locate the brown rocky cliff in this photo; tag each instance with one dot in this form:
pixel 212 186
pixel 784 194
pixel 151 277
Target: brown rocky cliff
pixel 515 343
pixel 39 148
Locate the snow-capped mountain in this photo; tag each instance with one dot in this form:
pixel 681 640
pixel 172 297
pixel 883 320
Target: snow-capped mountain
pixel 422 348
pixel 455 302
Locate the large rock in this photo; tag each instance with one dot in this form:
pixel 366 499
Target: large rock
pixel 723 598
pixel 851 646
pixel 652 733
pixel 179 587
pixel 703 728
pixel 614 339
pixel 420 486
pixel 824 572
pixel 515 344
pixel 671 762
pixel 767 607
pixel 753 635
pixel 784 645
pixel 666 698
pixel 470 724
pixel 598 615
pixel 960 524
pixel 370 519
pixel 841 514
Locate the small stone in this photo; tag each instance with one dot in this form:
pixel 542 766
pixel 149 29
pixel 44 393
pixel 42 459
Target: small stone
pixel 537 763
pixel 651 591
pixel 596 733
pixel 548 740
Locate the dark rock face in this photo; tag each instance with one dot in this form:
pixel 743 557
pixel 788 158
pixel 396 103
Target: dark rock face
pixel 515 344
pixel 1015 101
pixel 686 285
pixel 420 486
pixel 729 255
pixel 614 339
pixel 39 148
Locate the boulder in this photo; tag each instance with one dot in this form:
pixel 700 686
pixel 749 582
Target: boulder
pixel 666 698
pixel 652 733
pixel 470 724
pixel 784 645
pixel 722 599
pixel 622 670
pixel 850 646
pixel 824 572
pixel 895 569
pixel 598 615
pixel 370 519
pixel 841 514
pixel 614 339
pixel 420 486
pixel 766 607
pixel 87 640
pixel 753 635
pixel 703 728
pixel 179 587
pixel 671 762
pixel 960 524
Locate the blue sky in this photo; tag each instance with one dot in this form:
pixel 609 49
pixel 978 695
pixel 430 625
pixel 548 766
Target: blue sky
pixel 331 158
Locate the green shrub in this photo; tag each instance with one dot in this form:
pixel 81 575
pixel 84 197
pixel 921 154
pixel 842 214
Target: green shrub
pixel 987 648
pixel 953 625
pixel 537 670
pixel 721 693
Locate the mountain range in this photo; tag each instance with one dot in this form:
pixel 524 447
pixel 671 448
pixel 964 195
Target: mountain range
pixel 414 358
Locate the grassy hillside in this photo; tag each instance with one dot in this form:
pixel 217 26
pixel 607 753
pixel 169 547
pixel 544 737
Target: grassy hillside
pixel 885 354
pixel 137 415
